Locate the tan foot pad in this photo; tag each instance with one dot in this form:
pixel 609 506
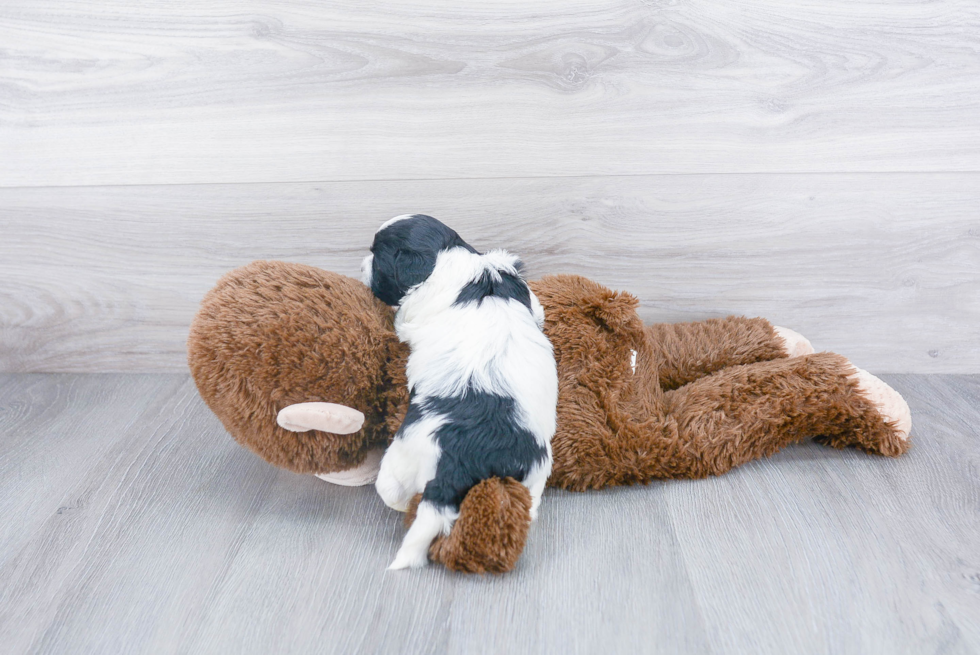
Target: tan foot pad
pixel 796 344
pixel 889 402
pixel 358 476
pixel 325 417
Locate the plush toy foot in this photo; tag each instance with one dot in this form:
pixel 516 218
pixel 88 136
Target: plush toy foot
pixel 886 431
pixel 796 345
pixel 365 473
pixel 887 401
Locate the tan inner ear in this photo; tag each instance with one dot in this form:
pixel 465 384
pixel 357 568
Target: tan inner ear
pixel 325 417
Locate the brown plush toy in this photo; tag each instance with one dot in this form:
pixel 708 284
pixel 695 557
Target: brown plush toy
pixel 303 367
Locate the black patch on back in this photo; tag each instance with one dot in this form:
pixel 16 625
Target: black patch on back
pixel 405 255
pixel 508 286
pixel 482 438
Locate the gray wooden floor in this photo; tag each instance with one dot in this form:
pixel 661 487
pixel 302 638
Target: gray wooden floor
pixel 132 523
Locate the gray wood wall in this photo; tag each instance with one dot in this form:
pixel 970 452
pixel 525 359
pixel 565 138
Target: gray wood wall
pixel 817 163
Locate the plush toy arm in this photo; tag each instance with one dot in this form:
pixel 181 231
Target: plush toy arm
pixel 690 351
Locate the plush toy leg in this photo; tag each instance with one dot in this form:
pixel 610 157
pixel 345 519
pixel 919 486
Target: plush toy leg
pixel 746 412
pixel 725 419
pixel 489 535
pixel 689 351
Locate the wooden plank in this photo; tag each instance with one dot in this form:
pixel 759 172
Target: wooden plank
pixel 882 268
pixel 108 92
pixel 817 551
pixel 187 543
pixel 55 430
pixel 119 554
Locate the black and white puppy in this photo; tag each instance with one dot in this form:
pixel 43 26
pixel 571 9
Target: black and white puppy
pixel 481 374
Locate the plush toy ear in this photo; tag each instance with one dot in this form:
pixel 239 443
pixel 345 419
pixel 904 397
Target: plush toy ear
pixel 325 417
pixel 335 419
pixel 614 309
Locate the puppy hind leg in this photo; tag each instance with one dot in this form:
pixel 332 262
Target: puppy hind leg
pixel 430 522
pixel 536 491
pixel 535 483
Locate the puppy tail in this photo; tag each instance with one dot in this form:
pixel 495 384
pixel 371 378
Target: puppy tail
pixel 430 522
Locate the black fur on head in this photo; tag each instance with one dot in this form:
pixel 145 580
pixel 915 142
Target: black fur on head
pixel 404 254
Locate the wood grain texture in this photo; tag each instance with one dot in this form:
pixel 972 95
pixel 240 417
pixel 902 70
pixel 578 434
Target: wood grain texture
pixel 115 92
pixel 142 527
pixel 884 268
pixel 831 528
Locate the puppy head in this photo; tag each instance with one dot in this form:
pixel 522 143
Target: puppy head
pixel 404 253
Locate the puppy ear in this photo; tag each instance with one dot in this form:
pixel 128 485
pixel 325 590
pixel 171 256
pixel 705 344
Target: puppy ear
pixel 395 271
pixel 412 268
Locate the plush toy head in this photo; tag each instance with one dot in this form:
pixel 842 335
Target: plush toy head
pixel 243 355
pixel 272 336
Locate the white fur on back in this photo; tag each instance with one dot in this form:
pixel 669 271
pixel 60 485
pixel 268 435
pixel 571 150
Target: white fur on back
pixel 495 346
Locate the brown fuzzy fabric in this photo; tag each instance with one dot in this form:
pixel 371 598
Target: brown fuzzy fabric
pixel 616 427
pixel 491 530
pixel 689 351
pixel 704 397
pixel 272 334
